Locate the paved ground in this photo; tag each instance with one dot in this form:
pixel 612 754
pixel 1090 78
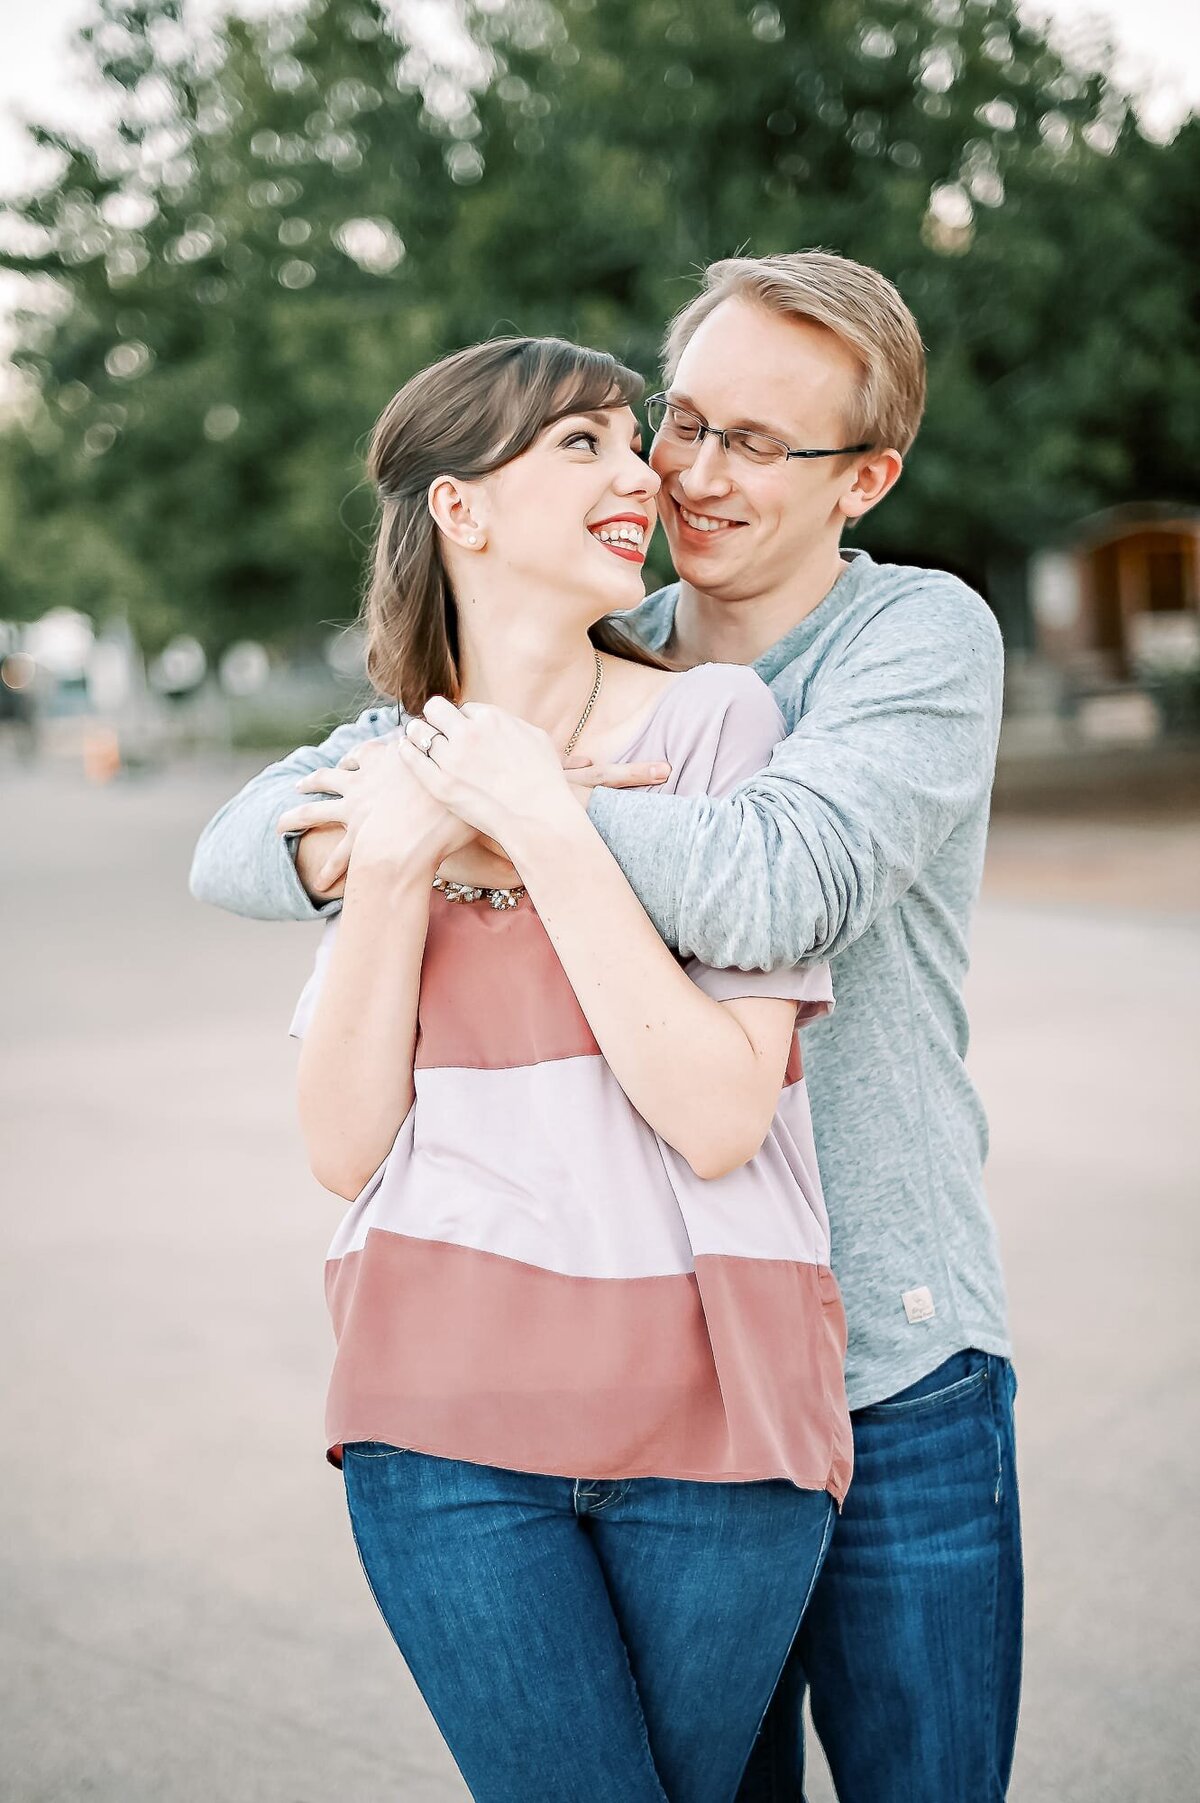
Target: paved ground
pixel 184 1619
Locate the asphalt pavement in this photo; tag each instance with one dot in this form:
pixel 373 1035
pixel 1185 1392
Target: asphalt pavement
pixel 183 1616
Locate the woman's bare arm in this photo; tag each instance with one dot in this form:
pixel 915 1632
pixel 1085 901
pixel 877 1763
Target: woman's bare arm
pixel 356 1063
pixel 705 1074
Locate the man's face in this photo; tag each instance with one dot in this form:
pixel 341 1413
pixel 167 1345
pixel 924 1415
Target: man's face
pixel 738 530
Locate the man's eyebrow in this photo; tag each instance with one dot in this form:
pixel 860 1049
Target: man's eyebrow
pixel 742 425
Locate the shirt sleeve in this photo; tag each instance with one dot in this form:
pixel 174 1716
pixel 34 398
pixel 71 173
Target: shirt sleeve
pixel 242 863
pixel 307 1001
pixel 714 750
pixel 808 985
pixel 895 746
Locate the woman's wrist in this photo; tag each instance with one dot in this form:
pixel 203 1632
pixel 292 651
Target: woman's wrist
pixel 537 841
pixel 397 859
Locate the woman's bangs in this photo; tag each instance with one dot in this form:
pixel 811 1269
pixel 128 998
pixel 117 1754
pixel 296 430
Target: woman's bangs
pixel 596 383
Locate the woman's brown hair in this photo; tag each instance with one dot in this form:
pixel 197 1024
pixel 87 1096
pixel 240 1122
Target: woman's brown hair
pixel 465 416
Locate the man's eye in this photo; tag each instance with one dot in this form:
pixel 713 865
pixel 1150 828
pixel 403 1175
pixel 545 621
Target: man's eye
pixel 587 438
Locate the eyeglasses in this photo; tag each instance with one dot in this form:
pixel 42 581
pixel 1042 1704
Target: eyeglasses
pixel 682 426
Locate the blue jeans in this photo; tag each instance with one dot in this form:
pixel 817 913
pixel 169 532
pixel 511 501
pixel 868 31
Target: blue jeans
pixel 580 1639
pixel 911 1647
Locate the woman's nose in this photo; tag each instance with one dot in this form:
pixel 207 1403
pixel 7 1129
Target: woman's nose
pixel 641 479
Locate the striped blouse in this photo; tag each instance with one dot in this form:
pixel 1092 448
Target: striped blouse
pixel 533 1278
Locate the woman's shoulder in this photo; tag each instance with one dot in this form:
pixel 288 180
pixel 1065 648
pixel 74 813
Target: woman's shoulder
pixel 715 725
pixel 739 685
pixel 727 698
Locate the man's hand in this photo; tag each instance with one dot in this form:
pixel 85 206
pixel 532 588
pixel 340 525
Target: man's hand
pixel 368 785
pixel 329 826
pixel 584 776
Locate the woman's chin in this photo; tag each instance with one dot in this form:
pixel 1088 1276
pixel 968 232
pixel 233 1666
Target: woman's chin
pixel 627 588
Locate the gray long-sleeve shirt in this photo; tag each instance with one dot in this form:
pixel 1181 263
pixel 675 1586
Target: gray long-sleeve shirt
pixel 862 843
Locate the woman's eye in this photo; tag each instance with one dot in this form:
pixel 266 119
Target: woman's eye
pixel 587 438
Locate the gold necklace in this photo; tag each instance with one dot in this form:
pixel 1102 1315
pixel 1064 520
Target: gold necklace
pixel 508 898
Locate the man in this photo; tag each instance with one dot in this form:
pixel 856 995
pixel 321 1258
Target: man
pixel 795 387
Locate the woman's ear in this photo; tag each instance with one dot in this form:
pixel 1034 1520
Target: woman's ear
pixel 452 507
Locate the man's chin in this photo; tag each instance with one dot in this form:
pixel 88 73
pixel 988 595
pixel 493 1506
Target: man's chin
pixel 699 565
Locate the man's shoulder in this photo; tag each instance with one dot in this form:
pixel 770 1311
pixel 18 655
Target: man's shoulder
pixel 374 722
pixel 906 598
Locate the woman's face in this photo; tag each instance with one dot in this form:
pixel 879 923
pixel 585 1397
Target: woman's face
pixel 576 511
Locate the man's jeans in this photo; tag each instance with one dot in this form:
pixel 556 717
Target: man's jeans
pixel 911 1647
pixel 610 1642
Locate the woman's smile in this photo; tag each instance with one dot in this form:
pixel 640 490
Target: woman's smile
pixel 624 534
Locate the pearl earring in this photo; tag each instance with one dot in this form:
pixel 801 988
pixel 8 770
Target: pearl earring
pixel 474 539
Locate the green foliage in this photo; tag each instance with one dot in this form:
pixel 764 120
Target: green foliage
pixel 292 217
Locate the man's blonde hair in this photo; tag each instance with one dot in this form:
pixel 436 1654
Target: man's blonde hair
pixel 857 304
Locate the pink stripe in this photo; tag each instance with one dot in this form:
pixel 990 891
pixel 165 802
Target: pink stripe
pixel 730 1372
pixel 493 993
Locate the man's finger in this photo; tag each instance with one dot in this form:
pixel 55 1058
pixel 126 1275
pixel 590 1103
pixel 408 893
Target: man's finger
pixel 329 781
pixel 334 870
pixel 357 753
pixel 620 776
pixel 309 814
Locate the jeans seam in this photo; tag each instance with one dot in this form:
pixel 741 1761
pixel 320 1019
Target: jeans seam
pixel 995 1786
pixel 441 1727
pixel 830 1519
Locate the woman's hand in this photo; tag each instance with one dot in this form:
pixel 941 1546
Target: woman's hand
pixel 490 768
pixel 386 815
pixel 346 799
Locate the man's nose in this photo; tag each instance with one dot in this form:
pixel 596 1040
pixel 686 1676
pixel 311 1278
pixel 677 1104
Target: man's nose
pixel 708 471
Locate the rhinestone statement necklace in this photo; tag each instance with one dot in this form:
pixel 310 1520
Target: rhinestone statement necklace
pixel 508 898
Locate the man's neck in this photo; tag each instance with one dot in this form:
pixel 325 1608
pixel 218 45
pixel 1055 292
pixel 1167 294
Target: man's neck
pixel 712 630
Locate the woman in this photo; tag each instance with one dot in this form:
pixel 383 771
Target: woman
pixel 587 1396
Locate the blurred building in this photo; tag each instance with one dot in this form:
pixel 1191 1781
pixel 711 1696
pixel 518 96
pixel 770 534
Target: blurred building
pixel 1120 600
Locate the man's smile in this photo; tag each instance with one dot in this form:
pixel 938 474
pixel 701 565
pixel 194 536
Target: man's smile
pixel 702 525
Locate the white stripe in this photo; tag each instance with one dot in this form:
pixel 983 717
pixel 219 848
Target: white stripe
pixel 550 1164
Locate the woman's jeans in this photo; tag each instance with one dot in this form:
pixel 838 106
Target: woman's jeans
pixel 911 1650
pixel 576 1639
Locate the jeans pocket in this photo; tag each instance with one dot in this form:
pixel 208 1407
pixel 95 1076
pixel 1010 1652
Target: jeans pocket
pixel 960 1389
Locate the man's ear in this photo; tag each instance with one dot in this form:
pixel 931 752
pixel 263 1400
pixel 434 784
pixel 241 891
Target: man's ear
pixel 873 478
pixel 454 507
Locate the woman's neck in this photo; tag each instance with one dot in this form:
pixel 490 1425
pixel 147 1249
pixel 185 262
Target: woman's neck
pixel 543 678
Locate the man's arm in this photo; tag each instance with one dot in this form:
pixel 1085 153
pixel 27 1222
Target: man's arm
pixel 241 862
pixel 896 746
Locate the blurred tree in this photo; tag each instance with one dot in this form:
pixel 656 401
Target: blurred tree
pixel 290 217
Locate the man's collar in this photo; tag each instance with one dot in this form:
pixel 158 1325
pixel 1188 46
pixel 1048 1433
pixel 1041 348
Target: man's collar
pixel 654 620
pixel 845 590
